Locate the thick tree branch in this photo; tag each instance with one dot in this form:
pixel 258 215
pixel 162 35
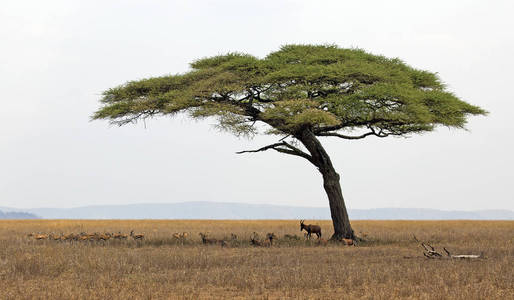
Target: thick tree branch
pixel 346 137
pixel 272 146
pixel 345 124
pixel 279 147
pixel 355 137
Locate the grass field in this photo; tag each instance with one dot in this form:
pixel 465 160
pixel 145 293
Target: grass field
pixel 388 265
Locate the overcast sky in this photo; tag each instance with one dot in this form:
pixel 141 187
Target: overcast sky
pixel 56 57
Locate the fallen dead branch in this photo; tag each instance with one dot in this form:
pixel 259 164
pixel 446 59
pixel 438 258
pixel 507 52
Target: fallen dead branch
pixel 430 252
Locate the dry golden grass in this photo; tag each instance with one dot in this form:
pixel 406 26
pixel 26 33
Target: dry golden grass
pixel 389 265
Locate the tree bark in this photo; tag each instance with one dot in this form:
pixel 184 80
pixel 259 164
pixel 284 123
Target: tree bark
pixel 340 220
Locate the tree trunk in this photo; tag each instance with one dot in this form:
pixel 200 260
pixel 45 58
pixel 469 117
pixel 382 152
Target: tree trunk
pixel 340 220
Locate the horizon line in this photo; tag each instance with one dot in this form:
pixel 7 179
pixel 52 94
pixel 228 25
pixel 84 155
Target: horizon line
pixel 252 204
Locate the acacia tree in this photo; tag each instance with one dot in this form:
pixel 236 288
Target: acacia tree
pixel 301 92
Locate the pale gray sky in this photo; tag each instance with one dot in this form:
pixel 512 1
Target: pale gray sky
pixel 56 57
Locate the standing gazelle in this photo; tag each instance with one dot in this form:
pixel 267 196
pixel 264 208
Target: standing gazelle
pixel 137 236
pixel 310 229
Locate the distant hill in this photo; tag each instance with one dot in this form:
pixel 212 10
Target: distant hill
pixel 17 215
pixel 220 210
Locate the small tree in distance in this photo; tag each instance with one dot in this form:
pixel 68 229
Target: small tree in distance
pixel 301 93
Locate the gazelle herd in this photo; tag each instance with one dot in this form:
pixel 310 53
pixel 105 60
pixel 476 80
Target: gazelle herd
pixel 254 240
pixel 84 236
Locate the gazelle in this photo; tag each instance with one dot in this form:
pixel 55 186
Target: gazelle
pixel 120 236
pixel 55 237
pixel 310 229
pixel 270 236
pixel 104 236
pixel 41 236
pixel 254 240
pixel 180 236
pixel 206 240
pixel 211 241
pixel 137 236
pixel 70 237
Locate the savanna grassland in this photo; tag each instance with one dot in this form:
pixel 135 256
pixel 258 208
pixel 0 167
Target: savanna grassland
pixel 389 264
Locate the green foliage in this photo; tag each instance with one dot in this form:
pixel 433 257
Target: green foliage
pixel 321 88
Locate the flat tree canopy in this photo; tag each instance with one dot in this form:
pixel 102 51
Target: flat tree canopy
pixel 301 92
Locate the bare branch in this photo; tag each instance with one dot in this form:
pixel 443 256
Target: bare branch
pixel 372 131
pixel 430 252
pixel 347 137
pixel 272 146
pixel 284 137
pixel 293 147
pixel 279 147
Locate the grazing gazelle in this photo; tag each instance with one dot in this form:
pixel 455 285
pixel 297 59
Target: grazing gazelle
pixel 310 229
pixel 211 241
pixel 268 242
pixel 206 240
pixel 103 236
pixel 120 236
pixel 270 236
pixel 69 237
pixel 137 236
pixel 41 236
pixel 254 240
pixel 180 236
pixel 54 237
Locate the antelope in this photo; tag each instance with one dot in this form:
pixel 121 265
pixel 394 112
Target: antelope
pixel 310 229
pixel 266 243
pixel 270 236
pixel 41 236
pixel 70 236
pixel 104 236
pixel 180 236
pixel 120 235
pixel 137 236
pixel 54 237
pixel 254 241
pixel 211 241
pixel 91 236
